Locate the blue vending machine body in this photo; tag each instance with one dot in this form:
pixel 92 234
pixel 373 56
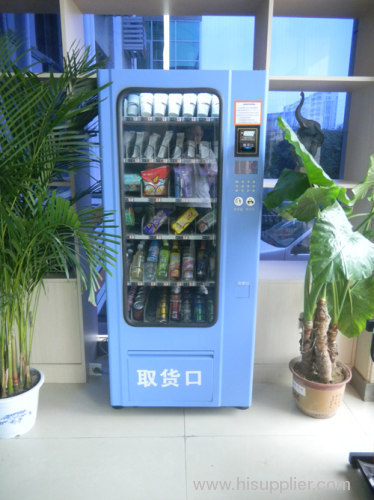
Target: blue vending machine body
pixel 197 363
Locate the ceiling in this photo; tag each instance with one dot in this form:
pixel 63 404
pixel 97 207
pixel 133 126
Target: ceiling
pixel 297 8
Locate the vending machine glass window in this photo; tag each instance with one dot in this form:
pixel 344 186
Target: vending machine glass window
pixel 170 171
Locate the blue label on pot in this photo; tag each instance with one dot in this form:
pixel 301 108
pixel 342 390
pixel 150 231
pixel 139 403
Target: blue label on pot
pixel 14 418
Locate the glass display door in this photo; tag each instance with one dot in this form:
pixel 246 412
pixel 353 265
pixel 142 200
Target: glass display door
pixel 170 190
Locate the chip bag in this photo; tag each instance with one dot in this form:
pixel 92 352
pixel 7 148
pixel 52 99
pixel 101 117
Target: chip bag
pixel 155 181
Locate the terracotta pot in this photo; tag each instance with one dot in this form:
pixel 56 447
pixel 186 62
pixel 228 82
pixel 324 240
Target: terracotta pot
pixel 18 413
pixel 315 399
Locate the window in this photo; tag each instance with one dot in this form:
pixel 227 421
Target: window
pixel 42 34
pixel 326 108
pixel 305 47
pixel 185 43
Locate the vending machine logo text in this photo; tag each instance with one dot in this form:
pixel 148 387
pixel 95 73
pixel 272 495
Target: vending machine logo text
pixel 168 378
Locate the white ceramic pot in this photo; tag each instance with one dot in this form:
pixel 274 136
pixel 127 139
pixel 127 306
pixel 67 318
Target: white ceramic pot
pixel 18 413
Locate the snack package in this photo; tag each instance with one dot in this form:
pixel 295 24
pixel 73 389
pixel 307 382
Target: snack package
pixel 164 148
pixel 183 181
pixel 150 150
pixel 184 220
pixel 140 141
pixel 156 221
pixel 178 150
pixel 129 216
pixel 132 182
pixel 207 221
pixel 128 142
pixel 155 181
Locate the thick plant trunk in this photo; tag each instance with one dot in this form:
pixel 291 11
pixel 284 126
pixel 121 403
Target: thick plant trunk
pixel 306 349
pixel 321 324
pixel 332 344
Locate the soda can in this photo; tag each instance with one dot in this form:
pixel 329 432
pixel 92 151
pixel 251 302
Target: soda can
pixel 139 302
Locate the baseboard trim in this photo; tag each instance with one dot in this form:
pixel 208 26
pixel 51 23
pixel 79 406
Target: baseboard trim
pixel 364 388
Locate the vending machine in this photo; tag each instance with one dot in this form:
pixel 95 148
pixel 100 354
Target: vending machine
pixel 182 169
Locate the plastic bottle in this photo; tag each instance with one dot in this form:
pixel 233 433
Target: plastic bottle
pixel 199 308
pixel 212 264
pixel 163 262
pixel 186 307
pixel 137 264
pixel 175 262
pixel 175 303
pixel 129 257
pixel 210 307
pixel 162 307
pixel 202 262
pixel 188 262
pixel 150 265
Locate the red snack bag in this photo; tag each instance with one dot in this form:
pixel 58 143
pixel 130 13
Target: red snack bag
pixel 155 181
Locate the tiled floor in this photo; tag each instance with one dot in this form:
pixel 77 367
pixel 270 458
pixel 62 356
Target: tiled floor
pixel 82 448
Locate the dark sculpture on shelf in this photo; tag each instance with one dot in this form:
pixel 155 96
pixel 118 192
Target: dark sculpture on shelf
pixel 309 132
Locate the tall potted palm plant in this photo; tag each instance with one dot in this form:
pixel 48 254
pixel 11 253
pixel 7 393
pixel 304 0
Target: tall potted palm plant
pixel 339 282
pixel 46 134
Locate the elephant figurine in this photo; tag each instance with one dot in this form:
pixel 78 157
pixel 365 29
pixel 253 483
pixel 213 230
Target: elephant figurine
pixel 309 132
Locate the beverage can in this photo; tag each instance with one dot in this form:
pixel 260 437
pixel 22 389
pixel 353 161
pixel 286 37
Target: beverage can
pixel 139 302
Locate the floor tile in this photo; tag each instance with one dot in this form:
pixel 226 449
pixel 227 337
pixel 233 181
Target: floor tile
pixel 93 469
pixel 263 467
pixel 83 410
pixel 363 411
pixel 273 412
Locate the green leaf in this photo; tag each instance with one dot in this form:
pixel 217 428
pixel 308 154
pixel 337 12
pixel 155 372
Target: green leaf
pixel 336 251
pixel 313 200
pixel 358 308
pixel 364 188
pixel 315 172
pixel 289 187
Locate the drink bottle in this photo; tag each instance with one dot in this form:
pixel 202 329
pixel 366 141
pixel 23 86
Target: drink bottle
pixel 212 265
pixel 210 307
pixel 150 265
pixel 202 262
pixel 188 262
pixel 129 257
pixel 175 303
pixel 186 307
pixel 163 262
pixel 137 264
pixel 162 307
pixel 175 262
pixel 199 308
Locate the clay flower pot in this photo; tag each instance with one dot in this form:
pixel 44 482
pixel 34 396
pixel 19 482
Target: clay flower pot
pixel 315 399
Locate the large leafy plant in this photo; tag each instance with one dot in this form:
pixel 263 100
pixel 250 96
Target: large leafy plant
pixel 339 283
pixel 46 135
